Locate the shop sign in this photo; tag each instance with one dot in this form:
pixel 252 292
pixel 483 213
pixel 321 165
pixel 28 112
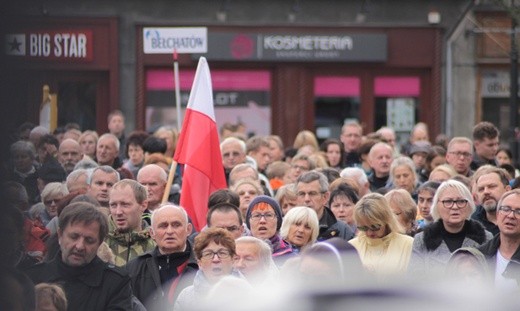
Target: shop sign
pixel 496 84
pixel 164 40
pixel 67 45
pixel 337 47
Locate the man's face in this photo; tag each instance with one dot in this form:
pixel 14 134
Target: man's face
pixel 125 211
pixel 351 138
pixel 380 160
pixel 227 220
pixel 116 125
pixel 389 136
pixel 262 157
pixel 232 154
pixel 277 153
pixel 69 154
pixel 170 230
pixel 310 195
pixel 489 191
pixel 298 167
pixel 486 148
pixel 509 224
pixel 248 260
pixel 459 157
pixel 79 243
pixel 424 204
pixel 263 227
pixel 419 134
pixel 106 151
pixel 152 181
pixel 100 186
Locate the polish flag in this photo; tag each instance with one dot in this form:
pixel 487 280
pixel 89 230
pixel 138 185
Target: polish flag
pixel 199 149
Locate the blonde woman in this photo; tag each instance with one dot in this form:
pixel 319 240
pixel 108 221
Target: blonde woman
pixel 381 246
pixel 300 227
pixel 404 208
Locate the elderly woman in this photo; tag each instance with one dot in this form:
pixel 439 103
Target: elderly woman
pixel 247 189
pixel 23 168
pixel 286 197
pixel 215 250
pixel 341 202
pixel 451 209
pixel 254 261
pixel 404 208
pixel 380 244
pixel 300 227
pixel 51 195
pixel 403 175
pixel 264 219
pixel 88 141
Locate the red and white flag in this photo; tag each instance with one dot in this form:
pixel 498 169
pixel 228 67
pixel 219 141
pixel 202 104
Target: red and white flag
pixel 199 149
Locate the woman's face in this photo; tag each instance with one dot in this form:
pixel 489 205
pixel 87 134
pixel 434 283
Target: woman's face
pixel 424 203
pixel 401 216
pixel 404 178
pixel 343 208
pixel 438 160
pixel 372 230
pixel 438 176
pixel 456 215
pixel 286 203
pixel 263 223
pixel 247 193
pixel 135 154
pixel 333 155
pixel 503 158
pixel 213 265
pixel 88 145
pixel 22 161
pixel 51 204
pixel 299 233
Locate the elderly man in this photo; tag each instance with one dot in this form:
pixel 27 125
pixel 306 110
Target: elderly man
pixel 245 170
pixel 358 175
pixel 351 135
pixel 100 183
pixel 254 260
pixel 503 251
pixel 226 216
pixel 107 151
pixel 486 138
pixel 129 236
pixel 459 154
pixel 88 282
pixel 154 178
pixel 160 275
pixel 490 183
pixel 233 153
pixel 312 190
pixel 69 154
pixel 380 159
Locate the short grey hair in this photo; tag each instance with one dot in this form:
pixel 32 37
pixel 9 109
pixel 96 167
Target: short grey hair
pixel 23 146
pixel 54 188
pixel 264 250
pixel 168 205
pixel 76 174
pixel 461 189
pixel 403 161
pixel 111 136
pixel 105 168
pixel 234 140
pixel 355 173
pixel 311 176
pixel 86 164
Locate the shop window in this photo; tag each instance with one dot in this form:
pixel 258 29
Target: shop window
pixel 397 104
pixel 240 96
pixel 77 103
pixel 336 100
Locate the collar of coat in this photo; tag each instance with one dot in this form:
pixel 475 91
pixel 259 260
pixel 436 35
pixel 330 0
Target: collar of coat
pixel 433 233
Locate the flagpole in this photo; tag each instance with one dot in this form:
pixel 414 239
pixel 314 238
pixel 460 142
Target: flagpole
pixel 169 183
pixel 177 90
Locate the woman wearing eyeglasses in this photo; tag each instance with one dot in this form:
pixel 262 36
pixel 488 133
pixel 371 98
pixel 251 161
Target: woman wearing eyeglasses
pixel 215 250
pixel 452 229
pixel 382 247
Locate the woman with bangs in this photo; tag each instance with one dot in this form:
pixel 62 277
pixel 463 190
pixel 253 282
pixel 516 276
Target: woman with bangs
pixel 300 227
pixel 382 247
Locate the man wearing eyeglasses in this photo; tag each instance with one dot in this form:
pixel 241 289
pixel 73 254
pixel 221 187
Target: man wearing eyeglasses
pixel 490 184
pixel 459 154
pixel 312 191
pixel 503 251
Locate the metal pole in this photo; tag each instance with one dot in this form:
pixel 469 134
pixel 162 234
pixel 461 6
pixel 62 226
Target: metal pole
pixel 513 98
pixel 177 90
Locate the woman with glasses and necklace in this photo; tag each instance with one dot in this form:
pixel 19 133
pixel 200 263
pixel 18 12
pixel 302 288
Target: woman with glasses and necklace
pixel 383 249
pixel 452 229
pixel 215 251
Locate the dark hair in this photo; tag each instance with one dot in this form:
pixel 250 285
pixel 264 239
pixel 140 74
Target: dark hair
pixel 507 151
pixel 330 173
pixel 332 141
pixel 365 146
pixel 154 144
pixel 48 139
pixel 344 190
pixel 223 196
pixel 430 186
pixel 435 151
pixel 485 129
pixel 86 213
pixel 59 130
pixel 219 236
pixel 509 169
pixel 136 138
pixel 224 208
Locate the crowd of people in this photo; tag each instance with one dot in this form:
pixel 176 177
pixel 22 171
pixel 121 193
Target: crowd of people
pixel 88 228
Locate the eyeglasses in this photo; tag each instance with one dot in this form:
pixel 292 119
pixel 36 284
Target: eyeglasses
pixel 311 194
pixel 372 228
pixel 459 154
pixel 221 254
pixel 505 210
pixel 267 216
pixel 301 168
pixel 230 228
pixel 49 202
pixel 461 203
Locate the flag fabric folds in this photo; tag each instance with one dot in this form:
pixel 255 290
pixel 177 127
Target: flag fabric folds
pixel 198 149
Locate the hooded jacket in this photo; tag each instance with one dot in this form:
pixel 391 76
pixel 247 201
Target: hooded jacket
pixel 128 245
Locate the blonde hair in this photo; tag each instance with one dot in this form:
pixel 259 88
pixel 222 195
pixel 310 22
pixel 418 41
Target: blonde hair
pixel 402 199
pixel 374 208
pixel 305 137
pixel 461 189
pixel 298 215
pixel 52 293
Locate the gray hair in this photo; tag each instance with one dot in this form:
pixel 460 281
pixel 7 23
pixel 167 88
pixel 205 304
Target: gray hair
pixel 301 214
pixel 240 168
pixel 355 173
pixel 86 164
pixel 264 250
pixel 311 176
pixel 105 168
pixel 23 146
pixel 461 189
pixel 235 140
pixel 113 137
pixel 75 175
pixel 169 205
pixel 403 161
pixel 54 188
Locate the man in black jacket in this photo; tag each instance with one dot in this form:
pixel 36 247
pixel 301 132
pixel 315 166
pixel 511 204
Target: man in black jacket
pixel 88 282
pixel 160 275
pixel 503 251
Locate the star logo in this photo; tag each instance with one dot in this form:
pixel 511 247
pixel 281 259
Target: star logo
pixel 15 44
